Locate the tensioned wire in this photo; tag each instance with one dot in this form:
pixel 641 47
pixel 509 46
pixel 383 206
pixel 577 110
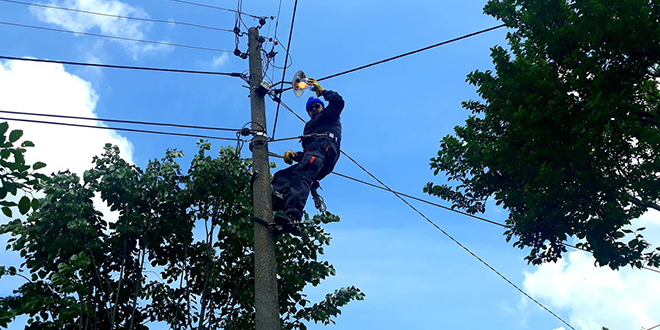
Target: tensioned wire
pixel 116 16
pixel 123 129
pixel 213 7
pixel 286 58
pixel 111 66
pixel 408 53
pixel 116 37
pixel 121 121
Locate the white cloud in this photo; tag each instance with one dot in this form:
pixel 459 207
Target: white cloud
pixel 220 61
pixel 597 297
pixel 113 26
pixel 48 88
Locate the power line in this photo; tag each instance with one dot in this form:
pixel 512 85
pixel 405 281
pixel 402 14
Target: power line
pixel 408 53
pixel 115 37
pixel 117 16
pixel 651 328
pixel 279 101
pixel 413 52
pixel 422 200
pixel 232 74
pixel 456 241
pixel 277 22
pixel 214 7
pixel 462 213
pixel 286 58
pixel 123 129
pixel 121 121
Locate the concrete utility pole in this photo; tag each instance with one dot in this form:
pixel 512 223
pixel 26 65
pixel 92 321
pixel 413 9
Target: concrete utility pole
pixel 267 316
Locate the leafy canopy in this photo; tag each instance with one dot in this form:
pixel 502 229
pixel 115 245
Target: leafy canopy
pixel 566 134
pixel 179 254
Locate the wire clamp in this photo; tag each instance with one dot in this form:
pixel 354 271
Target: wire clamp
pixel 262 88
pixel 258 143
pixel 245 131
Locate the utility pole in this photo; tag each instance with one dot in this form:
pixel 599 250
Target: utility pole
pixel 267 314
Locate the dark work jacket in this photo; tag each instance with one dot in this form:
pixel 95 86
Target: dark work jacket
pixel 325 122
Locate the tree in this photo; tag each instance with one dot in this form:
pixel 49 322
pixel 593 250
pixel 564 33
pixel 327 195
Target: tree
pixel 565 136
pixel 180 252
pixel 16 176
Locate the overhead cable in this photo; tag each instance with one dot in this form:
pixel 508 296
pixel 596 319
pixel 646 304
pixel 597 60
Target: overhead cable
pixel 455 240
pixel 116 37
pixel 414 52
pixel 423 201
pixel 286 58
pixel 651 328
pixel 122 129
pixel 214 7
pixel 232 74
pixel 408 53
pixel 461 212
pixel 120 121
pixel 117 16
pixel 458 243
pixel 277 22
pixel 279 101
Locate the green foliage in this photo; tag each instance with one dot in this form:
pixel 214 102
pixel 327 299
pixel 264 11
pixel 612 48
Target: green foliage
pixel 16 176
pixel 151 265
pixel 566 135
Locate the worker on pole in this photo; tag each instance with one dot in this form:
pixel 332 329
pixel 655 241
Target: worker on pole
pixel 321 141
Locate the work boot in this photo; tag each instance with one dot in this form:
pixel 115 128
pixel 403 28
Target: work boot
pixel 287 224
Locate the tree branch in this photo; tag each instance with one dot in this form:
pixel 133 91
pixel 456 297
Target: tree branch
pixel 647 204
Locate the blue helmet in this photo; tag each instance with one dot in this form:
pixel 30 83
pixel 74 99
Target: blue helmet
pixel 313 100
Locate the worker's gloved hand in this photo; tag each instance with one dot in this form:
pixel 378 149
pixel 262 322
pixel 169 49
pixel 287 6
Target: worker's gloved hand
pixel 315 86
pixel 289 156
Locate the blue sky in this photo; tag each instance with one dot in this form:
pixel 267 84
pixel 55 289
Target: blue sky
pixel 395 115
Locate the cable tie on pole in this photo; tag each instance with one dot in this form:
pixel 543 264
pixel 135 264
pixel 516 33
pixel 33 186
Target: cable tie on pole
pixel 258 143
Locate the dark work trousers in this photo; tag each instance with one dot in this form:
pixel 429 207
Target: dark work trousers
pixel 295 182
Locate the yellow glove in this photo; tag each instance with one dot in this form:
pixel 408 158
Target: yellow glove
pixel 315 86
pixel 289 156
